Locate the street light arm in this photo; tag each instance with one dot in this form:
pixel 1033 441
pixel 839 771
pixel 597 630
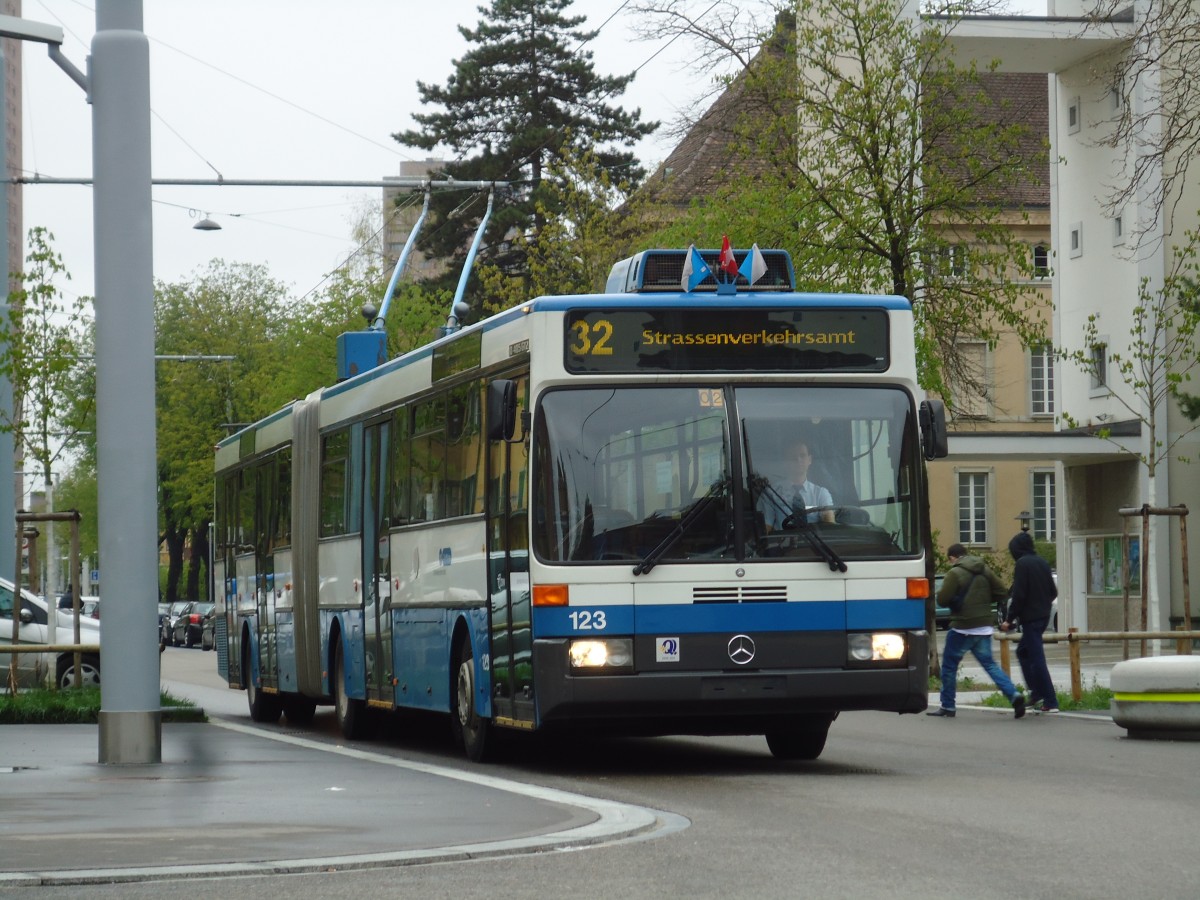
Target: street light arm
pixel 69 67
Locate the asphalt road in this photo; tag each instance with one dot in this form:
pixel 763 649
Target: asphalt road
pixel 898 806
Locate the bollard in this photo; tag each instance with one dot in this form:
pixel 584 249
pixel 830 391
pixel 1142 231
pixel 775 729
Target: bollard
pixel 1076 679
pixel 1004 663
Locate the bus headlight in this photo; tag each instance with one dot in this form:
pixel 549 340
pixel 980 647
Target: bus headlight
pixel 609 653
pixel 882 647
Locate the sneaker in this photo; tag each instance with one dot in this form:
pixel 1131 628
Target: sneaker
pixel 941 711
pixel 1018 704
pixel 1049 711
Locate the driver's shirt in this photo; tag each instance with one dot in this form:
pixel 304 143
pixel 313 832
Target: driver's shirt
pixel 813 495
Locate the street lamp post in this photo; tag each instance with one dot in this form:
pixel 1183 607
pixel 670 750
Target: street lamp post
pixel 1024 517
pixel 118 86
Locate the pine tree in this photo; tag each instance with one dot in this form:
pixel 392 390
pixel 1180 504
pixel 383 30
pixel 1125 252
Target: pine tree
pixel 524 91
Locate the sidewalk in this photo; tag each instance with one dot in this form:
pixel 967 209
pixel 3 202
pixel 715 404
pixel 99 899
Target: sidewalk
pixel 228 799
pixel 1096 663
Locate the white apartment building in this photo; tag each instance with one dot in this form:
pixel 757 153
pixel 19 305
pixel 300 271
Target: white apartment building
pixel 1101 253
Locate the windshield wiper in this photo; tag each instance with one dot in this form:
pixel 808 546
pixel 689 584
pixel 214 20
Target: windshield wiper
pixel 823 549
pixel 797 520
pixel 650 560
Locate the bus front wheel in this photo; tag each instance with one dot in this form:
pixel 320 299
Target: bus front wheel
pixel 351 713
pixel 802 738
pixel 472 731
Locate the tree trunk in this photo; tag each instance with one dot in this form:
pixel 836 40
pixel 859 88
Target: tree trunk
pixel 174 538
pixel 197 588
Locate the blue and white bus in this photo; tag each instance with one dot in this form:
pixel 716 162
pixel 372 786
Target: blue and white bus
pixel 561 518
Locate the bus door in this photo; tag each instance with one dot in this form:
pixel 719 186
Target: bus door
pixel 508 574
pixel 376 561
pixel 264 566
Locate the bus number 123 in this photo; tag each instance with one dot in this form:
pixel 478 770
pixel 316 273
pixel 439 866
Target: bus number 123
pixel 588 620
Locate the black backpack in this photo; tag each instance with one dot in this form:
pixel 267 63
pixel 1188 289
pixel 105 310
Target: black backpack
pixel 960 597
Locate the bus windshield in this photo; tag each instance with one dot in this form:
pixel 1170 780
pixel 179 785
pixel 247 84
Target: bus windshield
pixel 719 472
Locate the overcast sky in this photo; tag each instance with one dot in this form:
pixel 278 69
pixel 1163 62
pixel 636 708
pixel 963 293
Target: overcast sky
pixel 281 89
pixel 277 89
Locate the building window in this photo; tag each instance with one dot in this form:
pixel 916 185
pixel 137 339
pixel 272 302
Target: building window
pixel 972 507
pixel 1044 506
pixel 1074 115
pixel 1041 261
pixel 1041 381
pixel 971 393
pixel 1116 95
pixel 1076 240
pixel 1098 366
pixel 952 260
pixel 1118 230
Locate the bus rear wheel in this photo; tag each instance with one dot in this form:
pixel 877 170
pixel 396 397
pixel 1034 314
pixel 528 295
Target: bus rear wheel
pixel 472 731
pixel 802 738
pixel 299 709
pixel 263 707
pixel 351 713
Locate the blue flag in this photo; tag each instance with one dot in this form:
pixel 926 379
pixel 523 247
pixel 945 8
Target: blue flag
pixel 754 266
pixel 695 269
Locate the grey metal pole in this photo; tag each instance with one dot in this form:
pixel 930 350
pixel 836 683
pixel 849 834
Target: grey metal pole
pixel 8 468
pixel 130 718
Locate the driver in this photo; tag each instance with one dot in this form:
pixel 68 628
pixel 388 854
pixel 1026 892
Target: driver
pixel 777 500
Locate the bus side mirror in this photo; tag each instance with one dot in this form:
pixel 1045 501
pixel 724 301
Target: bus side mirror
pixel 935 443
pixel 501 409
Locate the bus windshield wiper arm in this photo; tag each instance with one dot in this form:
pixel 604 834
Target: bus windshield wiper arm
pixel 799 520
pixel 823 549
pixel 685 522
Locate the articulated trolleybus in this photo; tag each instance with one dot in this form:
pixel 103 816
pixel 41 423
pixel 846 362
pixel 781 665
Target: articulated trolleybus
pixel 577 514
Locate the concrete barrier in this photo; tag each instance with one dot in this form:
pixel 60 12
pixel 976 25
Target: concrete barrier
pixel 1157 697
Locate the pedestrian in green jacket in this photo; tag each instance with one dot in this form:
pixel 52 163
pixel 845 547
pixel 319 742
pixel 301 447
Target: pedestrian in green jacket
pixel 970 591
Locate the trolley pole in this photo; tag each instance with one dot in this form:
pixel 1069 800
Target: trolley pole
pixel 130 717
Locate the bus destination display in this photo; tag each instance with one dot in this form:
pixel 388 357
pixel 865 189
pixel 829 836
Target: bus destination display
pixel 615 341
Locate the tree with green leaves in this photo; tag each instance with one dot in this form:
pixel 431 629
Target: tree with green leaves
pixel 856 140
pixel 525 89
pixel 40 349
pixel 598 220
pixel 230 311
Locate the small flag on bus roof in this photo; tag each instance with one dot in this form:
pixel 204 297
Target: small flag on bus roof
pixel 695 269
pixel 725 262
pixel 753 266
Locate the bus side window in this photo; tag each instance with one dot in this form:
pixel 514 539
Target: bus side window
pixel 427 501
pixel 335 461
pixel 401 483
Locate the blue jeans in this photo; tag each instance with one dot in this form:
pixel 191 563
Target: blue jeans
pixel 980 646
pixel 1031 653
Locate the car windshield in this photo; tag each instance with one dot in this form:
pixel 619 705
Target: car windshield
pixel 715 472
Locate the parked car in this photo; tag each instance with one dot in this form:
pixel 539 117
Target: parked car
pixel 35 668
pixel 89 606
pixel 167 624
pixel 164 614
pixel 208 630
pixel 188 624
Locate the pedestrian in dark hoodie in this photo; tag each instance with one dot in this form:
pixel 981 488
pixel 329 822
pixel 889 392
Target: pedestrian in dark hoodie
pixel 1033 592
pixel 970 591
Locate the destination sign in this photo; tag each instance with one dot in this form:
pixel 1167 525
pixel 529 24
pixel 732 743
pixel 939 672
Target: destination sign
pixel 726 340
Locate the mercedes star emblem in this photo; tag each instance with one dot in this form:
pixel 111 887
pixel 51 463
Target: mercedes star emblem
pixel 741 649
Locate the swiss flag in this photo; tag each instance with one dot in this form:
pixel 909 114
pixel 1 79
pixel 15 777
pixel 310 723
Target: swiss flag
pixel 726 264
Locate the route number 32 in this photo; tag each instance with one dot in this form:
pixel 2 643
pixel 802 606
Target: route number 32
pixel 592 339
